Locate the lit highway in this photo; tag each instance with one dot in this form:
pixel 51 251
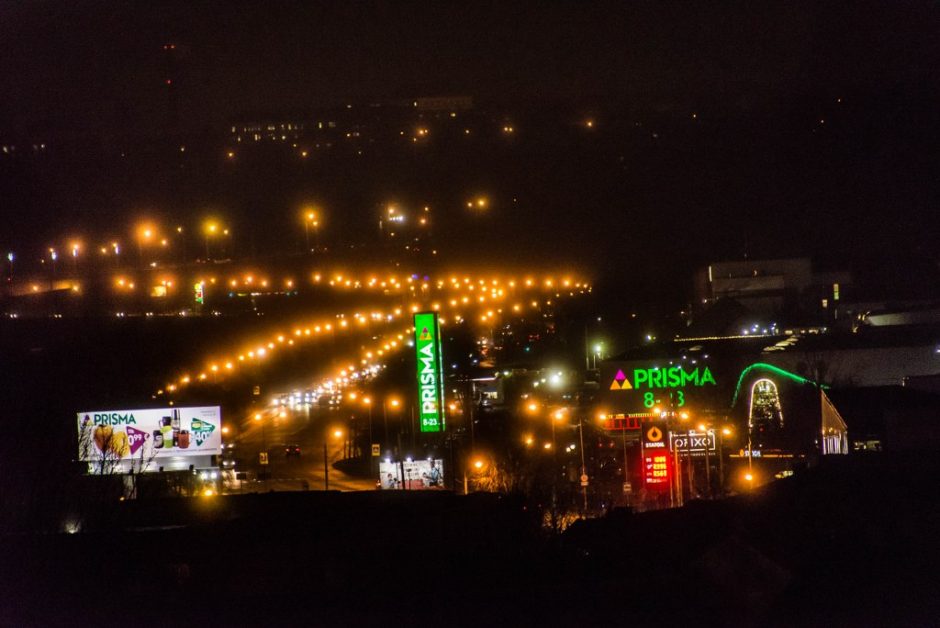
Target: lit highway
pixel 319 411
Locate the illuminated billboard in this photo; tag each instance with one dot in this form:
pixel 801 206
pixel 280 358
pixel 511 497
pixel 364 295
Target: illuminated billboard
pixel 656 470
pixel 156 434
pixel 418 475
pixel 693 443
pixel 638 387
pixel 429 372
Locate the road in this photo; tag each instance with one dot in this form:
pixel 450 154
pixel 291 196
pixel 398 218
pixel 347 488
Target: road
pixel 303 425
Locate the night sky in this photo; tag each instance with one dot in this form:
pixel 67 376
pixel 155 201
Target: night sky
pixel 96 63
pixel 764 176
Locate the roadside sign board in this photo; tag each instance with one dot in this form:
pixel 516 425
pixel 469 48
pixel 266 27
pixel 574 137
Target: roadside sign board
pixel 263 457
pixel 429 371
pixel 694 442
pixel 152 434
pixel 376 450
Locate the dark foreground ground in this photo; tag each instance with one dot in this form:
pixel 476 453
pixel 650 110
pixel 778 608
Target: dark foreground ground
pixel 853 542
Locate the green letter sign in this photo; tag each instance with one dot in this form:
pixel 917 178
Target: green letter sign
pixel 430 372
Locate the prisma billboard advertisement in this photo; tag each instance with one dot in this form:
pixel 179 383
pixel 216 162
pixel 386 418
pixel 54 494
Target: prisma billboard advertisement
pixel 149 434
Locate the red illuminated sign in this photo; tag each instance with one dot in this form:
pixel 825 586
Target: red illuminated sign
pixel 627 422
pixel 656 469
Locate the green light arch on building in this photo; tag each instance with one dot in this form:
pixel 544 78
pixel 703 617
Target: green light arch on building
pixel 763 366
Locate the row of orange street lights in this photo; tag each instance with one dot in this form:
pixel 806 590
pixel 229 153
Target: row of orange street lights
pixel 368 359
pixel 340 323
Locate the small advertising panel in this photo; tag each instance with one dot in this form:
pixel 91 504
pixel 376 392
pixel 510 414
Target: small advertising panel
pixel 155 434
pixel 418 475
pixel 430 372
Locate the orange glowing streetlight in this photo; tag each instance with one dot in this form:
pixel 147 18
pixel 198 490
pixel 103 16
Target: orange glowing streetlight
pixel 336 434
pixel 311 218
pixel 211 228
pixel 146 232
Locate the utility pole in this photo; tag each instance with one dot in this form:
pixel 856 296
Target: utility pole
pixel 583 468
pixel 326 469
pixel 708 472
pixel 626 475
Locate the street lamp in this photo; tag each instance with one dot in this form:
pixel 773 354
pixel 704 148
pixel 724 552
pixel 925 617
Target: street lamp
pixel 311 219
pixel 395 403
pixel 264 445
pixel 476 466
pixel 10 258
pixel 480 202
pixel 53 256
pixel 211 228
pixel 557 415
pixel 337 434
pixel 145 233
pixel 75 248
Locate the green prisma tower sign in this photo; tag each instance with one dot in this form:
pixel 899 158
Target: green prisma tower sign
pixel 430 373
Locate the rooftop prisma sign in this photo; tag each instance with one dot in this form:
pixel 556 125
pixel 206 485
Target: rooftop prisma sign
pixel 639 387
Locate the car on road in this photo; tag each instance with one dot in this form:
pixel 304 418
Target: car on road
pixel 228 459
pixel 292 450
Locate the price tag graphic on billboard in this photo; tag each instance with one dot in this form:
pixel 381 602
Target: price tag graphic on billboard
pixel 135 438
pixel 201 430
